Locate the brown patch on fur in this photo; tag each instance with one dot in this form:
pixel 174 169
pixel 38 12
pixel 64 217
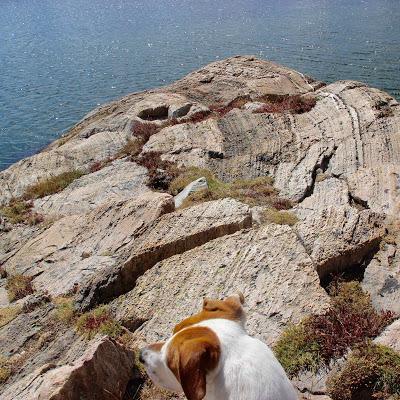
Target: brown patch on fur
pixel 156 347
pixel 230 308
pixel 193 353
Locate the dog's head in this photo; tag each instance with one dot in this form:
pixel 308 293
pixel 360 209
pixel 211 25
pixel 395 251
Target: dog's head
pixel 183 362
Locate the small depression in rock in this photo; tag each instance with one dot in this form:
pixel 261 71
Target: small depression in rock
pixel 154 114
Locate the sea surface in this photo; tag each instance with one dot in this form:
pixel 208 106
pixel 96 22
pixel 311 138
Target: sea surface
pixel 61 58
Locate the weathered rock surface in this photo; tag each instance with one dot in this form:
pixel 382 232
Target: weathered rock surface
pixel 171 234
pixel 92 376
pixel 76 248
pixel 269 264
pixel 338 236
pixel 119 181
pixel 391 336
pixel 108 234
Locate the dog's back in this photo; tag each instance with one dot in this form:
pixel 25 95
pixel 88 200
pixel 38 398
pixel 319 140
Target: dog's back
pixel 248 370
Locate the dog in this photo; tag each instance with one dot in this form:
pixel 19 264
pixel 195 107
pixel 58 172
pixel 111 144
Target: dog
pixel 210 356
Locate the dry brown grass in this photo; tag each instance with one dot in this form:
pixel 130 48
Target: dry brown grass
pixel 19 211
pixel 18 286
pixel 257 191
pixel 5 370
pixel 65 309
pixel 7 314
pixel 51 185
pixel 272 215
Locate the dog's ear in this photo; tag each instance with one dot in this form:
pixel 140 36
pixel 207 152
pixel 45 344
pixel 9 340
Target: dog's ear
pixel 195 352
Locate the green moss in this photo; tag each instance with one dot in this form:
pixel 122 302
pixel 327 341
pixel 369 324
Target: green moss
pixel 296 352
pixel 18 286
pixel 7 314
pixel 51 185
pixel 272 215
pixel 97 321
pixel 371 371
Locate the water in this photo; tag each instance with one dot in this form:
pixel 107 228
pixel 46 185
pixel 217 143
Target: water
pixel 61 58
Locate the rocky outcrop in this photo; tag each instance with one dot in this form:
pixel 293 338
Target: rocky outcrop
pixel 91 376
pixel 269 264
pixel 109 237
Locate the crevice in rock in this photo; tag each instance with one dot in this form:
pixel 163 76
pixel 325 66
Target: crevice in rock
pixel 358 203
pixel 321 166
pixel 154 114
pixel 116 283
pixel 348 266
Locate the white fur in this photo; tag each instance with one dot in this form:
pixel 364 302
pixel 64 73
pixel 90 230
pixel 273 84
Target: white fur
pixel 247 370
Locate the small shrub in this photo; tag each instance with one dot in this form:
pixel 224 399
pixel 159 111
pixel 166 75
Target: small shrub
pixel 7 314
pixel 295 104
pixel 296 352
pixel 143 131
pixel 5 370
pixel 348 322
pixel 97 321
pixel 18 286
pixel 371 371
pixel 271 215
pixel 51 185
pixel 65 309
pixel 160 173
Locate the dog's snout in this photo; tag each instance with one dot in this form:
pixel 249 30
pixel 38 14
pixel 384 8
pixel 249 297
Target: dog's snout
pixel 141 356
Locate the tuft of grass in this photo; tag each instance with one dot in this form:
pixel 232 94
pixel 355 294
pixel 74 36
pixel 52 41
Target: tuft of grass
pixel 99 320
pixel 371 371
pixel 19 211
pixel 294 104
pixel 272 215
pixel 5 370
pixel 7 314
pixel 296 352
pixel 257 191
pixel 65 309
pixel 51 185
pixel 189 175
pixel 18 286
pixel 348 322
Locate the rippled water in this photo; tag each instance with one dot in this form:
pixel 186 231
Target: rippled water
pixel 61 58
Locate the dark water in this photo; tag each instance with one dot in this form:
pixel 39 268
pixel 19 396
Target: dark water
pixel 61 58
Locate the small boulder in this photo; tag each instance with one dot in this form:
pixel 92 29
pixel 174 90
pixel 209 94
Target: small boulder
pixel 195 186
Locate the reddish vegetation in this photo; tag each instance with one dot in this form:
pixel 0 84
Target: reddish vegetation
pixel 94 322
pixel 222 109
pixel 349 321
pixel 96 166
pixel 282 204
pixel 295 104
pixel 143 131
pixel 161 173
